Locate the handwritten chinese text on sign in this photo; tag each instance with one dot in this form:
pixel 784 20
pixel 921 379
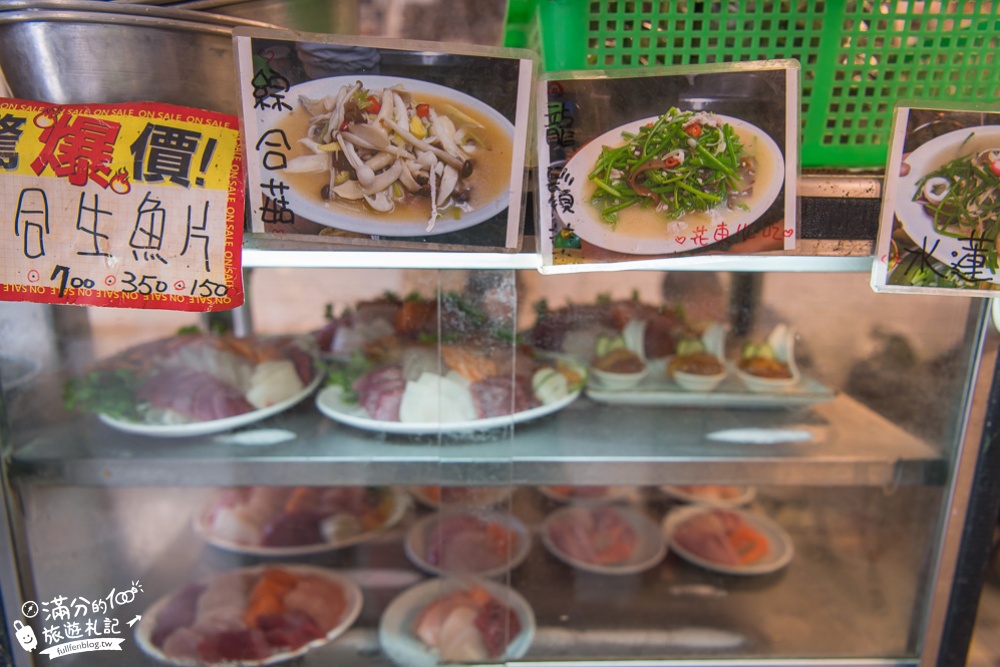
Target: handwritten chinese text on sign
pixel 125 205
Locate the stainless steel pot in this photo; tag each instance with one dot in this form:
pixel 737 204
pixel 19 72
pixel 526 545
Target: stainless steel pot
pixel 98 52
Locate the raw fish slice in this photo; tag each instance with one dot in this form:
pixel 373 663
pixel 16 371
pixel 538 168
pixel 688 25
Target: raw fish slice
pixel 273 382
pixel 380 392
pixel 223 600
pixel 427 627
pixel 705 535
pixel 182 643
pixel 433 398
pixel 177 613
pixel 233 645
pixel 460 639
pixel 497 624
pixel 472 552
pixel 290 630
pixel 502 395
pixel 230 525
pixel 318 598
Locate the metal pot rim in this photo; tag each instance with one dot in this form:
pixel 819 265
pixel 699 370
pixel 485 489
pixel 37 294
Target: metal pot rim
pixel 117 13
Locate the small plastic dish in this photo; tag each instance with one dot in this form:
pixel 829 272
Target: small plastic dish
pixel 779 552
pixel 618 381
pixel 403 648
pixel 650 545
pixel 763 385
pixel 698 382
pixel 418 542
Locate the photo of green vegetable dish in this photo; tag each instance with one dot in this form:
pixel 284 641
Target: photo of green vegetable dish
pixel 962 197
pixel 684 162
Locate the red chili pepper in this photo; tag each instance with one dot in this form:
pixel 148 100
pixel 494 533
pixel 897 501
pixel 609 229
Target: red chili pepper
pixel 343 126
pixel 423 110
pixel 693 130
pixel 670 162
pixel 374 104
pixel 995 167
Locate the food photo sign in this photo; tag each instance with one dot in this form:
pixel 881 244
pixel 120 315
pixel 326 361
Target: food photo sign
pixel 127 205
pixel 941 202
pixel 366 142
pixel 638 166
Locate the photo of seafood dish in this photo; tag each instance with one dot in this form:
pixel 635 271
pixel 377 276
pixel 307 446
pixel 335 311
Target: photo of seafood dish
pixel 640 187
pixel 456 620
pixel 395 157
pixel 298 520
pixel 607 539
pixel 251 616
pixel 728 540
pixel 948 192
pixel 485 544
pixel 399 377
pixel 195 383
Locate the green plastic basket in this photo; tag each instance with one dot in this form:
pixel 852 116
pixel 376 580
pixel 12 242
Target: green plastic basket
pixel 858 58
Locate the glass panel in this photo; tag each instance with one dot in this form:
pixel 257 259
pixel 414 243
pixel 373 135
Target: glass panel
pixel 650 520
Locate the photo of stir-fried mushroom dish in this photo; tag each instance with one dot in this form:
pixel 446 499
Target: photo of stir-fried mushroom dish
pixel 375 150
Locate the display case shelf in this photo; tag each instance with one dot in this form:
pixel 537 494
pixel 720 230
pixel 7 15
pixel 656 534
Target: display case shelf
pixel 587 443
pixel 847 578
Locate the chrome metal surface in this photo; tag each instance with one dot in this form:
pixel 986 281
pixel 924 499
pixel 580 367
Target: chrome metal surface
pixel 54 52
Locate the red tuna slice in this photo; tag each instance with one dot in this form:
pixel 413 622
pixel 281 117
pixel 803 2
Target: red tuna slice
pixel 497 395
pixel 195 394
pixel 177 613
pixel 231 645
pixel 380 392
pixel 497 624
pixel 292 629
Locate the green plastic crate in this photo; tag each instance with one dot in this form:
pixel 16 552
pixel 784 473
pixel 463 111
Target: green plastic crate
pixel 858 58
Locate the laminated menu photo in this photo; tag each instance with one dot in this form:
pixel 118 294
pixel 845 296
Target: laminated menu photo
pixel 940 217
pixel 638 166
pixel 384 143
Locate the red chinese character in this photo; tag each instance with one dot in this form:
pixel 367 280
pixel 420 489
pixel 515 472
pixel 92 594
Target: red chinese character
pixel 78 147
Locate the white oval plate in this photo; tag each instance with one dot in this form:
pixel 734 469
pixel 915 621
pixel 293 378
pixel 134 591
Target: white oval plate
pixel 216 425
pixel 404 649
pixel 781 547
pixel 352 598
pixel 416 542
pixel 925 159
pixel 649 550
pixel 743 496
pixel 340 218
pixel 401 504
pixel 586 220
pixel 330 402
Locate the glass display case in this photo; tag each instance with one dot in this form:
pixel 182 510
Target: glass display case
pixel 615 520
pixel 421 458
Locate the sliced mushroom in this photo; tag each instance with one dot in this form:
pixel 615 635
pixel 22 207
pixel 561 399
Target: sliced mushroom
pixel 380 201
pixel 365 174
pixel 349 190
pixel 308 164
pixel 457 163
pixel 385 179
pixel 449 179
pixel 406 176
